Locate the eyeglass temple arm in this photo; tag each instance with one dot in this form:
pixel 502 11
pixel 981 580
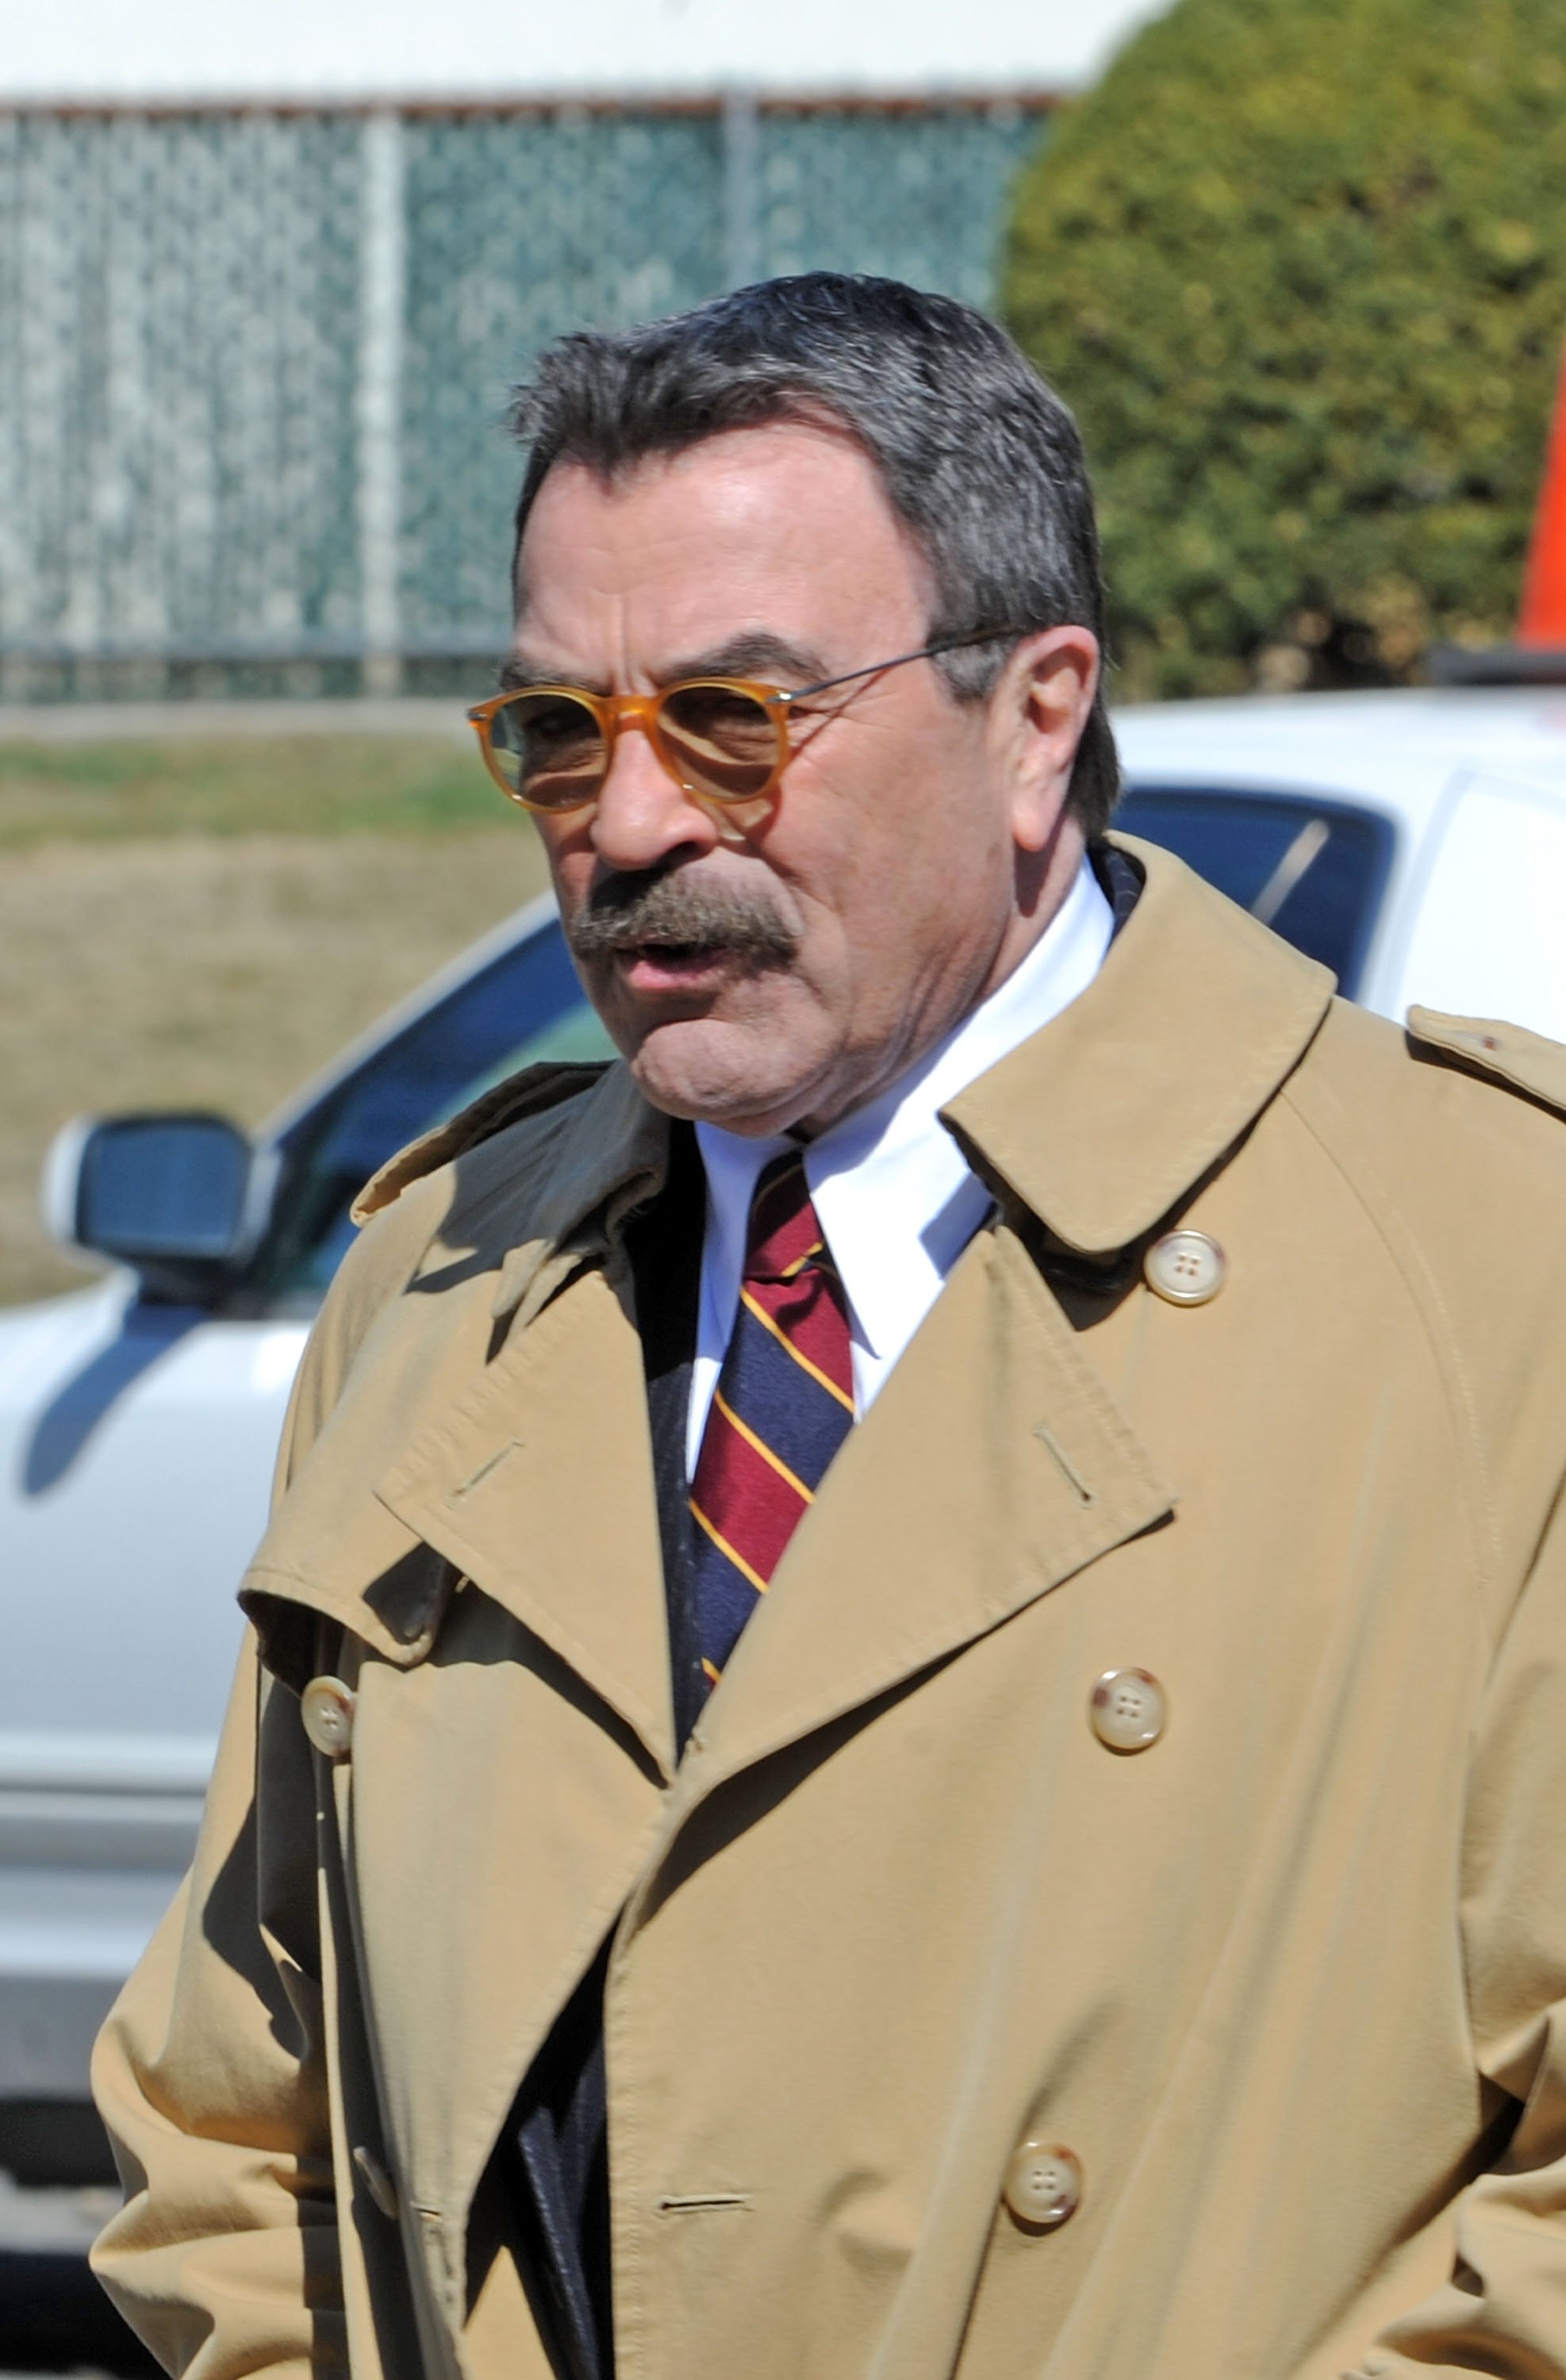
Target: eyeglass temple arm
pixel 925 653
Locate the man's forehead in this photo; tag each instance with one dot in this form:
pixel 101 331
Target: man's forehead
pixel 782 533
pixel 730 493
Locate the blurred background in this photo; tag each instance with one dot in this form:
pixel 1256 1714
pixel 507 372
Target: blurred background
pixel 266 279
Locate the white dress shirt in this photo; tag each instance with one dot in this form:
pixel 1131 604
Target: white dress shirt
pixel 893 1194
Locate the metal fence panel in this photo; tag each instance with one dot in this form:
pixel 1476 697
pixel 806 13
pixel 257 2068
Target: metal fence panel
pixel 921 198
pixel 254 365
pixel 177 460
pixel 520 230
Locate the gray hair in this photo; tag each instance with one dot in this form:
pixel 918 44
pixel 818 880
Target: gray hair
pixel 978 456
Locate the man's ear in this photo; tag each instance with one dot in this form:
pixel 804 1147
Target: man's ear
pixel 1039 709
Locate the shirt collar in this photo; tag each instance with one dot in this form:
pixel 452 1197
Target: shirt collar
pixel 891 1188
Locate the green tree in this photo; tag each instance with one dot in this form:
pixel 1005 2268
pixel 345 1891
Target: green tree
pixel 1300 268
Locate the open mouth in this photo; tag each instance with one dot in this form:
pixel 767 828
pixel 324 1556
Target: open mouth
pixel 649 965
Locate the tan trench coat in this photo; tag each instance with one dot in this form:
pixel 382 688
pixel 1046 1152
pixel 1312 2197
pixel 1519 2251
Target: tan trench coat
pixel 1284 1983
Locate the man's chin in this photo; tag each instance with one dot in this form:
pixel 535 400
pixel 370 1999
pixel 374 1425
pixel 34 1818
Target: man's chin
pixel 704 1069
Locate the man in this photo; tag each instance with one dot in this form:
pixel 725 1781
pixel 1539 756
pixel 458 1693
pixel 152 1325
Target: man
pixel 921 1731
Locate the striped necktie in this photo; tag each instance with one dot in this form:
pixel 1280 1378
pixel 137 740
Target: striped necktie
pixel 783 1405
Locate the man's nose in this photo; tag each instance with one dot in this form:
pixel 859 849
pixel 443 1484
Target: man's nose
pixel 643 816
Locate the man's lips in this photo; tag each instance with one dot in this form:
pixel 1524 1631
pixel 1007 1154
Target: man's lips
pixel 648 967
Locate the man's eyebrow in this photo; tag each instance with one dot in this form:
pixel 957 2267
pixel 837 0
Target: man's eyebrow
pixel 753 653
pixel 516 674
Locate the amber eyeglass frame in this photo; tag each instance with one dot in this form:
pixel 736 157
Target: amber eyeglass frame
pixel 610 710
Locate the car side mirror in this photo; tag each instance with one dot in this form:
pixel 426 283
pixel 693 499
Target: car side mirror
pixel 181 1199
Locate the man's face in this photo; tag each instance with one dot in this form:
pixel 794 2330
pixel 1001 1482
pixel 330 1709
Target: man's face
pixel 811 948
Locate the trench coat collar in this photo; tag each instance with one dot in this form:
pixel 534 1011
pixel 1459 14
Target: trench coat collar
pixel 1098 1125
pixel 611 1157
pixel 1101 1124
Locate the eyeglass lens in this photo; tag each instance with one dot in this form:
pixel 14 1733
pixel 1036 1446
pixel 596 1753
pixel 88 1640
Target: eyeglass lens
pixel 549 748
pixel 716 739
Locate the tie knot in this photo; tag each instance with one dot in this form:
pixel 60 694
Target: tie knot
pixel 784 1234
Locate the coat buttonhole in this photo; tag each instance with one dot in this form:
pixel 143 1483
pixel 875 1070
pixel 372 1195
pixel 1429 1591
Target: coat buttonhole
pixel 491 1462
pixel 701 2201
pixel 1075 1480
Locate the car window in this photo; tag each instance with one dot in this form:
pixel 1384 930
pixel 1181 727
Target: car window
pixel 1314 871
pixel 523 1007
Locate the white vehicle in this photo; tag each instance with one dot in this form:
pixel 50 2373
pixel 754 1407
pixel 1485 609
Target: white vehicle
pixel 1414 841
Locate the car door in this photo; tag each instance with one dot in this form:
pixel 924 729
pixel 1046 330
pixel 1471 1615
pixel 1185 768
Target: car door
pixel 137 1443
pixel 1481 931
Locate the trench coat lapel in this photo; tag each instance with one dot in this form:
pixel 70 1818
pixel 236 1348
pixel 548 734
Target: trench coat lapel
pixel 526 1471
pixel 993 1445
pixel 504 1425
pixel 994 1468
pixel 994 1440
pixel 536 1484
pixel 535 1480
pixel 995 1465
pixel 526 1777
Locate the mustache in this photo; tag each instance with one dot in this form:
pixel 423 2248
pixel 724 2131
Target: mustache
pixel 674 911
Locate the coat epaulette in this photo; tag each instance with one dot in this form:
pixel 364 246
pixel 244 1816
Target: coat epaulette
pixel 1510 1055
pixel 529 1093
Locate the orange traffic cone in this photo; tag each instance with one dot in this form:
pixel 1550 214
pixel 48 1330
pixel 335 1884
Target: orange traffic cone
pixel 1542 618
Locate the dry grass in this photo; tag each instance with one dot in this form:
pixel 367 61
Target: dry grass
pixel 147 964
pixel 121 787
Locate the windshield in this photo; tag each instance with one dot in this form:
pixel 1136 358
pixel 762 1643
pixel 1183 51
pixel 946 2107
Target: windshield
pixel 525 1007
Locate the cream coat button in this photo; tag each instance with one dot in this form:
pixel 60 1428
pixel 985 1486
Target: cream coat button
pixel 1128 1709
pixel 1185 1266
pixel 1043 2186
pixel 327 1708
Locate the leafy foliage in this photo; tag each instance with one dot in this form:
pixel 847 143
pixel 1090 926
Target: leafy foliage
pixel 1301 271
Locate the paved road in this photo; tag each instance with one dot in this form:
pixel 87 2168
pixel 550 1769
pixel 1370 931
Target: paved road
pixel 53 2319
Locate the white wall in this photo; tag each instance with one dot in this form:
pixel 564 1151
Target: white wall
pixel 233 49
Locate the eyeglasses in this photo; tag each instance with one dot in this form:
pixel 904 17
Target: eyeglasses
pixel 723 739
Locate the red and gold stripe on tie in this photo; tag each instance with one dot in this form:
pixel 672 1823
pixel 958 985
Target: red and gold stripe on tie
pixel 783 1405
